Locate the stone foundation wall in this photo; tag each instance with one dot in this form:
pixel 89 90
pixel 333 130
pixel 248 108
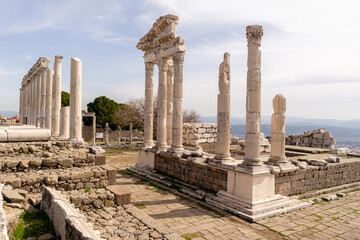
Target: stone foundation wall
pixel 195 133
pixel 319 138
pixel 198 174
pixel 316 178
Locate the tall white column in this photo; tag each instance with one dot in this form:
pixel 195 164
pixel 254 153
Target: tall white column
pixel 162 106
pixel 64 122
pixel 149 105
pixel 43 98
pixel 55 123
pixel 76 100
pixel 48 102
pixel 223 112
pixel 177 126
pixel 21 105
pixel 38 99
pixel 253 97
pixel 94 130
pixel 169 117
pixel 33 97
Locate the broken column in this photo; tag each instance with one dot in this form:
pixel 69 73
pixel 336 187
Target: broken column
pixel 162 105
pixel 64 122
pixel 48 99
pixel 253 97
pixel 177 118
pixel 169 83
pixel 106 134
pixel 130 138
pixel 149 105
pixel 75 100
pixel 55 123
pixel 223 115
pixel 118 135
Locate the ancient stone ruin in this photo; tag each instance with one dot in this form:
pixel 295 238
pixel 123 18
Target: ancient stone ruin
pixel 318 138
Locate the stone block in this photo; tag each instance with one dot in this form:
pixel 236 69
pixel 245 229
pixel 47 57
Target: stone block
pixel 122 197
pixel 100 160
pixel 111 173
pixel 12 196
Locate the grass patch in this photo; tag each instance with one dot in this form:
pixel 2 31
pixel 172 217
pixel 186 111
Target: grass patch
pixel 189 236
pixel 142 181
pixel 335 218
pixel 113 151
pixel 140 206
pixel 33 225
pixel 87 189
pixel 123 172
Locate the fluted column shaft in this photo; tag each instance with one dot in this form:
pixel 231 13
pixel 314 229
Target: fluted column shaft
pixel 149 105
pixel 177 125
pixel 76 100
pixel 65 122
pixel 21 105
pixel 38 99
pixel 169 117
pixel 253 96
pixel 43 98
pixel 33 97
pixel 48 99
pixel 55 123
pixel 162 105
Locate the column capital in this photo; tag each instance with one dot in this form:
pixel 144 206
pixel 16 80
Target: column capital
pixel 149 67
pixel 178 57
pixel 58 58
pixel 163 63
pixel 254 34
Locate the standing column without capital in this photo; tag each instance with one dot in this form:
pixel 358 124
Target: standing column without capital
pixel 55 122
pixel 43 98
pixel 38 99
pixel 177 125
pixel 48 105
pixel 75 100
pixel 169 117
pixel 65 122
pixel 21 105
pixel 223 115
pixel 94 130
pixel 253 97
pixel 149 105
pixel 162 106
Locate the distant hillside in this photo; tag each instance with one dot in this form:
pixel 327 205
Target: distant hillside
pixel 8 113
pixel 296 122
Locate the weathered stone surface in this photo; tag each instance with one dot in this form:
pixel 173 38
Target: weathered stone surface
pixel 66 162
pixel 121 196
pixel 12 196
pixel 49 162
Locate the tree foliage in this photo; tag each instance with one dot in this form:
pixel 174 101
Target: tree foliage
pixel 105 110
pixel 65 99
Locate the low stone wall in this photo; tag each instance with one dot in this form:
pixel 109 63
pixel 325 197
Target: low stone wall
pixel 195 133
pixel 113 134
pixel 318 138
pixel 60 179
pixel 199 174
pixel 90 199
pixel 316 178
pixel 67 221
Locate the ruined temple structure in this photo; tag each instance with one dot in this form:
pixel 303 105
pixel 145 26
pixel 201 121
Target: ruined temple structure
pixel 245 187
pixel 164 48
pixel 40 103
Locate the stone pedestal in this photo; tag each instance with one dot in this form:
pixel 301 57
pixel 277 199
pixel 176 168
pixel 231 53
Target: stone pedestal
pixel 223 115
pixel 146 158
pixel 76 100
pixel 149 105
pixel 64 122
pixel 55 123
pixel 48 99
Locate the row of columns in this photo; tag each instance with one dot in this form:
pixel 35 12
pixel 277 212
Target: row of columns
pixel 40 99
pixel 169 113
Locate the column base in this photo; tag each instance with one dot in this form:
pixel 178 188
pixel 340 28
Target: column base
pixel 162 147
pixel 148 144
pixel 147 158
pixel 284 166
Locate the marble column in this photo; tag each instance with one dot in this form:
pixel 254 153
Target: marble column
pixel 118 135
pixel 43 98
pixel 277 155
pixel 131 133
pixel 253 97
pixel 38 99
pixel 149 105
pixel 94 130
pixel 48 99
pixel 33 97
pixel 64 122
pixel 76 100
pixel 223 115
pixel 55 122
pixel 162 105
pixel 21 105
pixel 169 117
pixel 106 134
pixel 177 125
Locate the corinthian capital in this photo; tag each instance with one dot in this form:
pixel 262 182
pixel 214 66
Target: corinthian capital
pixel 58 58
pixel 179 58
pixel 149 67
pixel 254 34
pixel 163 64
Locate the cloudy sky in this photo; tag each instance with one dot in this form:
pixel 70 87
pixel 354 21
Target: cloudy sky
pixel 310 50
